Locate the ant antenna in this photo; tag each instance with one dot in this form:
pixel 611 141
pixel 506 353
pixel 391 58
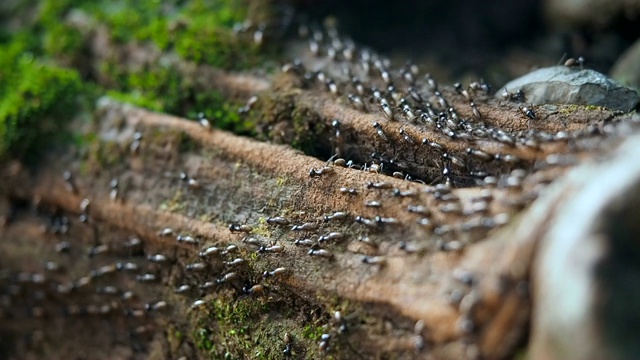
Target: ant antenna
pixel 562 59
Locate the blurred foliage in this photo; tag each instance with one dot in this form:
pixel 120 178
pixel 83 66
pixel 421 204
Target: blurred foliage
pixel 35 100
pixel 46 63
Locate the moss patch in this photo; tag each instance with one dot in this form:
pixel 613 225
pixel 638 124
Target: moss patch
pixel 164 88
pixel 302 128
pixel 232 327
pixel 175 204
pixel 198 30
pixel 36 100
pixel 37 97
pixel 226 331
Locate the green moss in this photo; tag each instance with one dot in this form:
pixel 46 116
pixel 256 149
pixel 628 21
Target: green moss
pixel 162 85
pixel 253 327
pixel 204 340
pixel 63 41
pixel 121 22
pixel 158 32
pixel 282 180
pixel 238 313
pixel 226 12
pixel 221 113
pixel 312 332
pixel 175 204
pixel 263 229
pixel 125 19
pixel 164 89
pixel 83 140
pixel 216 46
pixel 199 31
pixel 18 46
pixel 226 329
pixel 58 39
pixel 253 256
pixel 36 100
pixel 175 337
pixel 52 11
pixel 136 98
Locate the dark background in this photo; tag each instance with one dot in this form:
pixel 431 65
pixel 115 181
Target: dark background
pixel 498 40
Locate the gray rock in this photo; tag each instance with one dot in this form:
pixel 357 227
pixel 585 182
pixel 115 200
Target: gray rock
pixel 564 85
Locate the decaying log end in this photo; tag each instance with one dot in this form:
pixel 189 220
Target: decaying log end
pixel 586 274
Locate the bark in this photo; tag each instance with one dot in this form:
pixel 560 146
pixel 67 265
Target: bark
pixel 239 178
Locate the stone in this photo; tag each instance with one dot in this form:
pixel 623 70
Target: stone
pixel 572 85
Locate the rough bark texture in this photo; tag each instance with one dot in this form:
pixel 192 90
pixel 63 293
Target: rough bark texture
pixel 239 178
